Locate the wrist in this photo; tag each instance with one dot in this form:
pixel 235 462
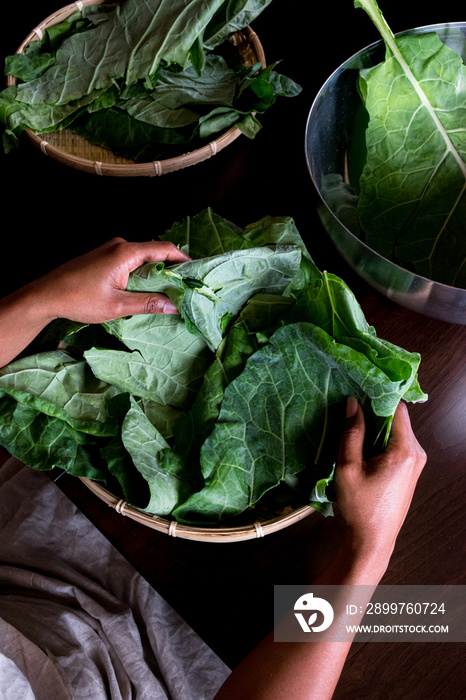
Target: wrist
pixel 28 307
pixel 23 315
pixel 357 562
pixel 36 302
pixel 368 559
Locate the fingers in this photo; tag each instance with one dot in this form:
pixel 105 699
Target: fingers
pixel 402 439
pixel 137 254
pixel 134 255
pixel 401 431
pixel 92 288
pixel 160 251
pixel 352 438
pixel 133 303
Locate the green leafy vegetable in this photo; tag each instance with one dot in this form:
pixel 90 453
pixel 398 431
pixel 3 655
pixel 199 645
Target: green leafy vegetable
pixel 45 442
pixel 141 78
pixel 228 281
pixel 412 201
pixel 60 386
pixel 167 362
pixel 230 17
pixel 235 404
pixel 282 412
pixel 144 443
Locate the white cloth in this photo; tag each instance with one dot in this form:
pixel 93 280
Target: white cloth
pixel 76 620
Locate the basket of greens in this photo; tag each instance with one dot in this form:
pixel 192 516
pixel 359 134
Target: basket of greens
pixel 221 423
pixel 131 88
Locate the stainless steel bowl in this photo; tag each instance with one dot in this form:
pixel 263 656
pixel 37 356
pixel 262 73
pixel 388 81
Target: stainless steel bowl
pixel 334 143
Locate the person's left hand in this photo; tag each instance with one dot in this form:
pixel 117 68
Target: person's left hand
pixel 92 287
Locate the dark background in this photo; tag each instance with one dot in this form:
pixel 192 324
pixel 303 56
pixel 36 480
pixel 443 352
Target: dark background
pixel 51 212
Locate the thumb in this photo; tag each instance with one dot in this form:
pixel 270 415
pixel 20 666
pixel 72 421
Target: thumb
pixel 352 437
pixel 132 303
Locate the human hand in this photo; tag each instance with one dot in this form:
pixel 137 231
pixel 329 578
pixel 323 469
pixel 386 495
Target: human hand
pixel 92 287
pixel 374 495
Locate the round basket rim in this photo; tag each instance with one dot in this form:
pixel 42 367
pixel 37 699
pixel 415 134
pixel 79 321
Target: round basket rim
pixel 129 168
pixel 173 528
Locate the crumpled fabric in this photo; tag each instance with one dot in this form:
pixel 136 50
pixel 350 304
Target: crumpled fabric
pixel 76 620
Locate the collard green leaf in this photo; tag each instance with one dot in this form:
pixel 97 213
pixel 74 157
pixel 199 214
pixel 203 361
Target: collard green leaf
pixel 43 442
pixel 28 66
pixel 158 278
pixel 264 312
pixel 193 427
pixel 61 386
pixel 124 479
pixel 206 234
pixel 162 416
pixel 216 85
pixel 329 303
pixel 157 114
pixel 134 41
pixel 225 283
pixel 143 442
pixel 43 117
pixel 282 230
pixel 38 56
pixel 167 363
pixel 279 416
pixel 274 230
pixel 219 119
pixel 129 137
pixel 210 290
pixel 231 279
pixel 319 498
pixel 230 17
pixel 283 86
pixel 412 203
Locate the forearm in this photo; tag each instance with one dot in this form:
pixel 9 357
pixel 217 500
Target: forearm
pixel 307 670
pixel 23 315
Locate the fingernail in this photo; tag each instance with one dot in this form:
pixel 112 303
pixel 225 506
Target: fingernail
pixel 351 406
pixel 169 308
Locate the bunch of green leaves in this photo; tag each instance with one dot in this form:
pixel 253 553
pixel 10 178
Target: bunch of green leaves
pixel 412 191
pixel 236 403
pixel 144 79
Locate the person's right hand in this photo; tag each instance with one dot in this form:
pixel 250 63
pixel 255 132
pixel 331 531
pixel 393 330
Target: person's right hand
pixel 374 495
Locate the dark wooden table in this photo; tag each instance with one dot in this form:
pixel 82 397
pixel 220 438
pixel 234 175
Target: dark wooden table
pixel 225 591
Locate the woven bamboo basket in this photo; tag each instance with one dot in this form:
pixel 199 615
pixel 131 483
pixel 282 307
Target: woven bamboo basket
pixel 75 151
pixel 259 528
